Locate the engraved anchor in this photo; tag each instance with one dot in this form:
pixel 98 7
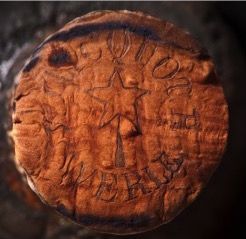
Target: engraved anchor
pixel 120 103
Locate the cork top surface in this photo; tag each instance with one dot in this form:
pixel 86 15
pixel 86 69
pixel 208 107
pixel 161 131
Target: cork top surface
pixel 119 121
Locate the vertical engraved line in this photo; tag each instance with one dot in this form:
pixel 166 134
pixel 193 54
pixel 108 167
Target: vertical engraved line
pixel 119 154
pixel 197 133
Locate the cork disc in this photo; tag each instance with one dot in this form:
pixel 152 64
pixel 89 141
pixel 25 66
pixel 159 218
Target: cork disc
pixel 119 121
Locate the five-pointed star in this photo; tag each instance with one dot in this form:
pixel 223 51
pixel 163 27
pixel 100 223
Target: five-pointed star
pixel 119 100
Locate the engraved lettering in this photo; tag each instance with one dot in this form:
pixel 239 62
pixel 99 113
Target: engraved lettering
pixel 179 86
pixel 107 189
pixel 145 52
pixel 184 121
pixel 86 176
pixel 166 68
pixel 118 43
pixel 170 164
pixel 153 177
pixel 161 122
pixel 135 185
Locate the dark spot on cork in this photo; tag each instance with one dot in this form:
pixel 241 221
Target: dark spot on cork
pixel 147 33
pixel 134 221
pixel 13 106
pixel 61 209
pixel 17 121
pixel 60 57
pixel 85 30
pixel 18 96
pixel 211 79
pixel 132 133
pixel 79 31
pixel 31 64
pixel 130 222
pixel 203 55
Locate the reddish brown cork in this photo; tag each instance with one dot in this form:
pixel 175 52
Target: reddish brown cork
pixel 119 121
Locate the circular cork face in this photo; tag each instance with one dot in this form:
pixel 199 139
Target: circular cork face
pixel 119 121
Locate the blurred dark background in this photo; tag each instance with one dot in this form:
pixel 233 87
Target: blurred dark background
pixel 220 210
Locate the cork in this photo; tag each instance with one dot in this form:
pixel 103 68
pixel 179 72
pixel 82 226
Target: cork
pixel 119 121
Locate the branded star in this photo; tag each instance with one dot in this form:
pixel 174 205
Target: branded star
pixel 119 100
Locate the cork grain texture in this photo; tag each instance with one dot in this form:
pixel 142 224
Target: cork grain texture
pixel 119 121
